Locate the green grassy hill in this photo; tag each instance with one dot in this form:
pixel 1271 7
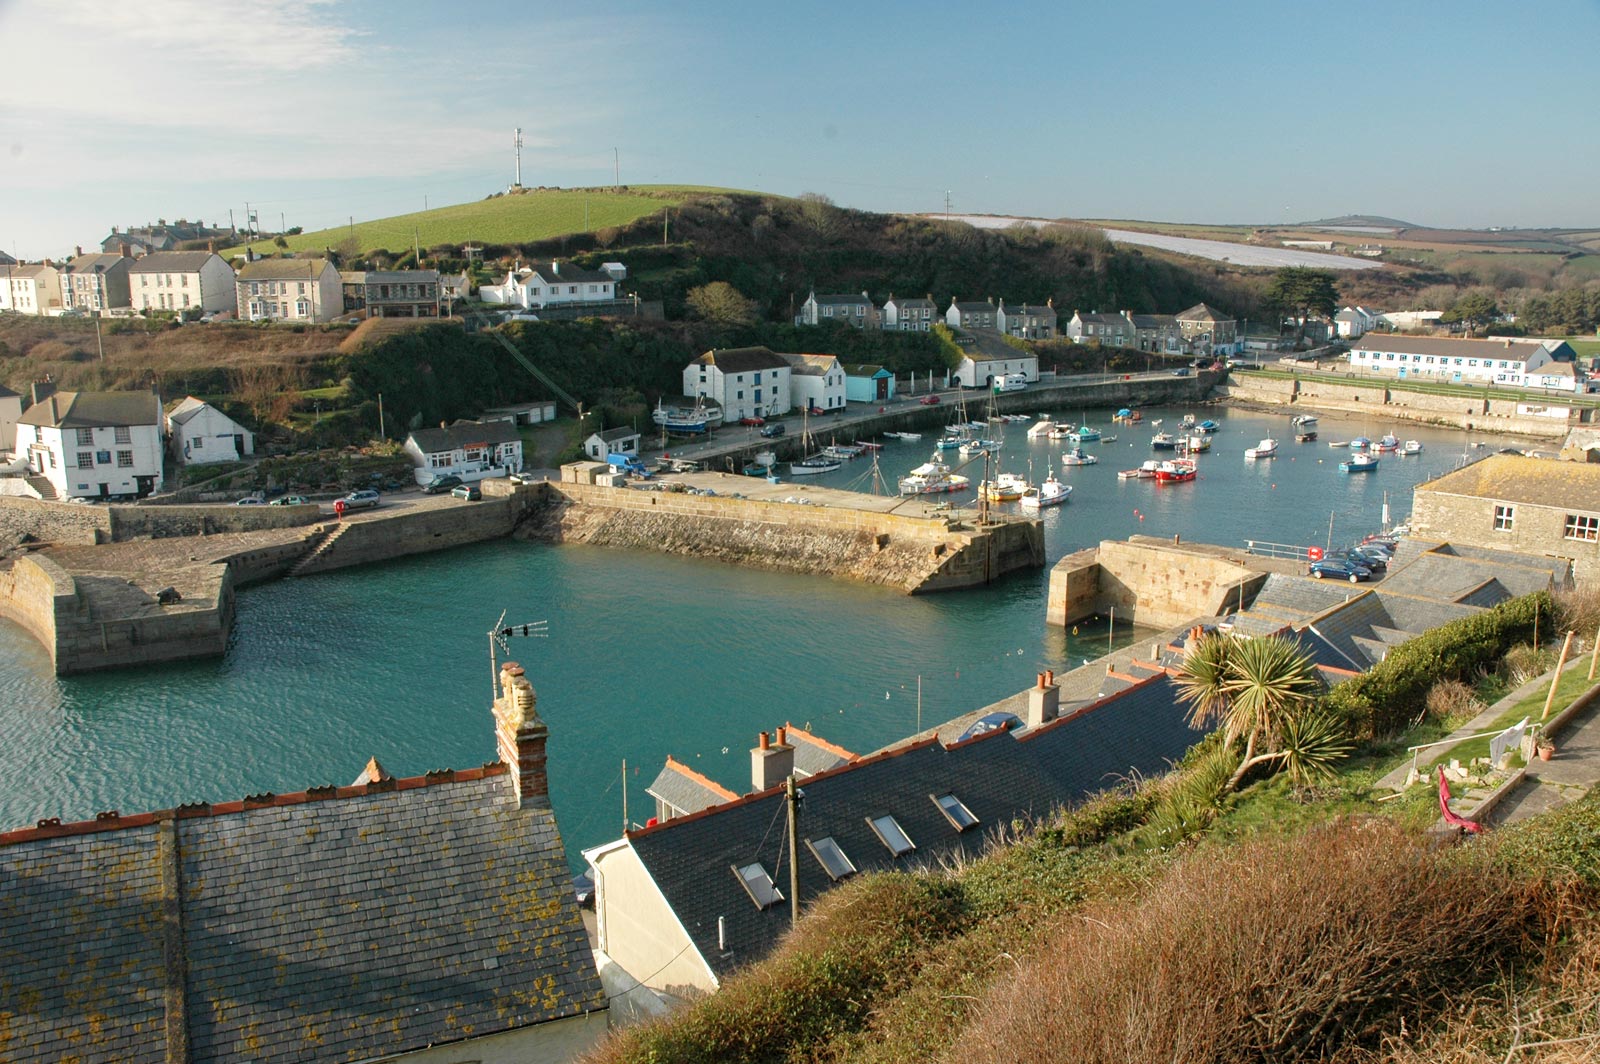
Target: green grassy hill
pixel 520 218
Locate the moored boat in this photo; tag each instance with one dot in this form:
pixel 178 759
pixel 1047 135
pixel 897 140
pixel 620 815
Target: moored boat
pixel 696 420
pixel 1267 448
pixel 816 464
pixel 1085 434
pixel 908 436
pixel 1176 471
pixel 1050 493
pixel 1127 416
pixel 1078 456
pixel 1388 442
pixel 1163 441
pixel 1146 471
pixel 1006 487
pixel 968 448
pixel 1361 462
pixel 843 451
pixel 1410 448
pixel 1360 443
pixel 1042 427
pixel 932 477
pixel 1305 435
pixel 1195 444
pixel 1208 426
pixel 1303 421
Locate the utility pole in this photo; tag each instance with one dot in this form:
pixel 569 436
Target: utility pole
pixel 283 223
pixel 616 170
pixel 791 795
pixel 946 206
pixel 381 434
pixel 517 147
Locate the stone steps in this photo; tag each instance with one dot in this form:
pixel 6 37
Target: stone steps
pixel 320 542
pixel 46 490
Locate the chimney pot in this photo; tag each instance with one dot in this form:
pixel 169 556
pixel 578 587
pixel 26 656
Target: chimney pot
pixel 766 741
pixel 520 737
pixel 78 249
pixel 771 763
pixel 1044 701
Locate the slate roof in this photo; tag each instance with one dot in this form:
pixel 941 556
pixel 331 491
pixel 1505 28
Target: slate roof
pixel 171 262
pixel 1154 321
pixel 614 435
pixel 998 776
pixel 180 411
pixel 6 259
pixel 974 307
pixel 686 790
pixel 94 263
pixel 7 393
pixel 840 299
pixel 1517 478
pixel 283 270
pixel 338 924
pixel 401 276
pixel 742 359
pixel 30 269
pixel 919 303
pixel 567 273
pixel 863 369
pixel 814 754
pixel 1099 318
pixel 1455 347
pixel 1201 312
pixel 461 433
pixel 71 410
pixel 811 365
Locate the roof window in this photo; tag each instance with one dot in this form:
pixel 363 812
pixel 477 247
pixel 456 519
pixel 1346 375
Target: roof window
pixel 759 885
pixel 891 834
pixel 955 811
pixel 831 857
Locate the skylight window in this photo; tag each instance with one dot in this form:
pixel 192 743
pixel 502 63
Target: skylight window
pixel 759 884
pixel 831 857
pixel 957 813
pixel 891 834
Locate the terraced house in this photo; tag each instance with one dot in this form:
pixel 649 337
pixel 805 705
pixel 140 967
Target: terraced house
pixel 95 284
pixel 1545 364
pixel 289 290
pixel 91 445
pixel 850 309
pixel 401 293
pixel 181 280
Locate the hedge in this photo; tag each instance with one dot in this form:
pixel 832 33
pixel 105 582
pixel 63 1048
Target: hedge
pixel 1393 693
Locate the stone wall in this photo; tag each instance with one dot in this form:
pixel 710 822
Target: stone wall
pixel 33 592
pixel 1149 582
pixel 406 532
pixel 1387 402
pixel 52 522
pixel 909 553
pixel 163 522
pixel 1537 530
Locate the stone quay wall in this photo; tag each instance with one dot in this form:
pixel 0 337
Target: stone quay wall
pixel 33 592
pixel 913 554
pixel 379 538
pixel 1149 582
pixel 52 522
pixel 163 522
pixel 1385 402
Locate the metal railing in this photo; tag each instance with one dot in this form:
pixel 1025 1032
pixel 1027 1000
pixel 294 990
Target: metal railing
pixel 1292 551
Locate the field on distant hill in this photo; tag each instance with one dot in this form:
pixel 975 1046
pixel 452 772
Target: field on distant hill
pixel 520 218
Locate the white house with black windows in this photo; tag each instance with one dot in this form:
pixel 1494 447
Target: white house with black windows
pixel 545 284
pixel 198 432
pixel 471 450
pixel 744 381
pixel 91 444
pixel 602 445
pixel 816 382
pixel 978 370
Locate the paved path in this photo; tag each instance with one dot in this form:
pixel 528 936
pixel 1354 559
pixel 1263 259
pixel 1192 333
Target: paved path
pixel 1564 778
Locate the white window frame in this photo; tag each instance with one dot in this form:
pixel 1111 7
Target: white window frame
pixel 757 883
pixel 1505 518
pixel 843 868
pixel 888 830
pixel 955 810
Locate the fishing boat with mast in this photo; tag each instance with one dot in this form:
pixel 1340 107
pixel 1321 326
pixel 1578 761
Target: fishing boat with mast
pixel 815 463
pixel 1078 457
pixel 933 477
pixel 696 420
pixel 1050 492
pixel 1145 471
pixel 1177 471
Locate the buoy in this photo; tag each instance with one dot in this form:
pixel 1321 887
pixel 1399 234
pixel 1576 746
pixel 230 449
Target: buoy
pixel 1074 629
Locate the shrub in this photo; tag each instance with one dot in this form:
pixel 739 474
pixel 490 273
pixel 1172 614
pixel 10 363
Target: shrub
pixel 1450 699
pixel 1393 693
pixel 1578 610
pixel 1527 662
pixel 1274 950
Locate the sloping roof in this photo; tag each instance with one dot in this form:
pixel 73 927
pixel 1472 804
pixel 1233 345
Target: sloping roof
pixel 567 273
pixel 1518 478
pixel 402 276
pixel 837 299
pixel 461 433
pixel 6 259
pixel 171 262
pixel 336 924
pixel 742 359
pixel 1155 321
pixel 622 433
pixel 352 277
pixel 919 302
pixel 73 410
pixel 1100 319
pixel 7 393
pixel 31 269
pixel 1515 350
pixel 811 365
pixel 181 410
pixel 863 369
pixel 974 307
pixel 94 263
pixel 814 754
pixel 998 777
pixel 686 790
pixel 283 270
pixel 1201 312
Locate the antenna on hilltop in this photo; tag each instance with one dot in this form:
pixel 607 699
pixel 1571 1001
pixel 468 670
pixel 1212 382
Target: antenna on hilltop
pixel 517 148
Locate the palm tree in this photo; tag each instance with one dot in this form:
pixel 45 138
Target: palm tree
pixel 1263 692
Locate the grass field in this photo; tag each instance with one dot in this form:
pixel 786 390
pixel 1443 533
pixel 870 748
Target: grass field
pixel 537 214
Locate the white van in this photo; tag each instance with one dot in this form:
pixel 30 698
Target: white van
pixel 1012 382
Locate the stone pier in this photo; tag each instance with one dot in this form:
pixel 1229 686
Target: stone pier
pixel 1153 582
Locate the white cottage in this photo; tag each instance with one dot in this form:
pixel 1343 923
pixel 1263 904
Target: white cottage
pixel 198 432
pixel 92 444
pixel 182 280
pixel 472 450
pixel 555 283
pixel 744 381
pixel 602 445
pixel 978 370
pixel 816 382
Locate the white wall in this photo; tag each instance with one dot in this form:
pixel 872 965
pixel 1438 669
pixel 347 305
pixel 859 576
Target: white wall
pixel 70 481
pixel 639 930
pixel 10 412
pixel 208 436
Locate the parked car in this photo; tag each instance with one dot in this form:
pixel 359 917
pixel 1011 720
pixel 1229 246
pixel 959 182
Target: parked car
pixel 523 478
pixel 772 431
pixel 1340 568
pixel 365 499
pixel 289 500
pixel 1376 560
pixel 441 484
pixel 1181 371
pixel 929 400
pixel 752 421
pixel 251 500
pixel 470 492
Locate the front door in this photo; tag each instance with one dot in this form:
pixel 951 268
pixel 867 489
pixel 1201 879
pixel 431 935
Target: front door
pixel 105 491
pixel 144 485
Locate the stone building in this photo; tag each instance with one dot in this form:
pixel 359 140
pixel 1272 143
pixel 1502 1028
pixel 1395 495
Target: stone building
pixel 428 919
pixel 1512 502
pixel 289 290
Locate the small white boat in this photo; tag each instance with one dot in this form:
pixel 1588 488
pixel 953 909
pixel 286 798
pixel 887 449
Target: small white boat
pixel 1006 487
pixel 1042 427
pixel 1267 448
pixel 972 447
pixel 1051 493
pixel 1078 456
pixel 904 435
pixel 1147 471
pixel 842 451
pixel 1359 462
pixel 1303 420
pixel 1410 447
pixel 817 463
pixel 1060 431
pixel 933 477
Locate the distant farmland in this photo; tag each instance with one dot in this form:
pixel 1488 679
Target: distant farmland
pixel 511 219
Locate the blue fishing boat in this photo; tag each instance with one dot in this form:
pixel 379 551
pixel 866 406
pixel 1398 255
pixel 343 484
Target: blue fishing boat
pixel 1209 426
pixel 1359 463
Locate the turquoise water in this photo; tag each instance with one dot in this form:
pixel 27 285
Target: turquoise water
pixel 647 655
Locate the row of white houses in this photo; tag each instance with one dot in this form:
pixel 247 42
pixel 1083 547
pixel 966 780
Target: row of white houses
pixel 1546 364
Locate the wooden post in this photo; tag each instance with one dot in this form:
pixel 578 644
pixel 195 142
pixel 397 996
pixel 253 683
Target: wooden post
pixel 1549 699
pixel 1594 655
pixel 792 797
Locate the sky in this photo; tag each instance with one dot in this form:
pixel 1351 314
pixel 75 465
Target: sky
pixel 1465 113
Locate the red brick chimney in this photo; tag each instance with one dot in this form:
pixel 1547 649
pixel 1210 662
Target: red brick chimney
pixel 771 763
pixel 520 737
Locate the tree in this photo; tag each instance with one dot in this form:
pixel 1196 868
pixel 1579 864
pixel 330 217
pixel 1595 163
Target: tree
pixel 1474 308
pixel 720 303
pixel 1302 292
pixel 1264 694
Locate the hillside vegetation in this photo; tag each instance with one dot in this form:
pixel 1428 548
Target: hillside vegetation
pixel 1299 918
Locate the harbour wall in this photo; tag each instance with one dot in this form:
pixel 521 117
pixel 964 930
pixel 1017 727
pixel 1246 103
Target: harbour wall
pixel 418 531
pixel 1384 402
pixel 1149 581
pixel 82 524
pixel 52 605
pixel 911 554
